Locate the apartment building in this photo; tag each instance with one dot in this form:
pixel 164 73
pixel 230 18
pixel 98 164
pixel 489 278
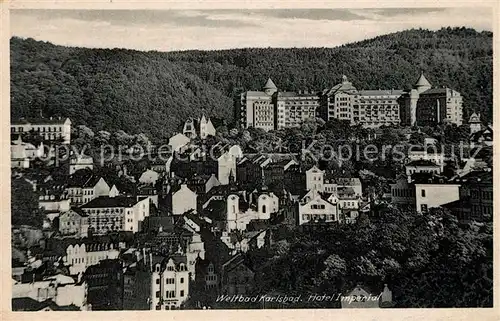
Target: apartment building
pixel 117 213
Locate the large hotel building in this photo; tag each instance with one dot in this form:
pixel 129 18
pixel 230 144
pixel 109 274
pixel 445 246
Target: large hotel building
pixel 271 109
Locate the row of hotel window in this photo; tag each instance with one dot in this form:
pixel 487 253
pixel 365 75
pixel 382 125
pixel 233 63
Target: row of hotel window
pixel 169 294
pixel 308 217
pixel 169 280
pixel 37 129
pixel 90 260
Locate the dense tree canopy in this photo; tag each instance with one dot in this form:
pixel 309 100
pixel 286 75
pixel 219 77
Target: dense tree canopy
pixel 154 92
pixel 427 260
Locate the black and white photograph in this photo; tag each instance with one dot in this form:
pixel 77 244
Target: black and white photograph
pixel 266 158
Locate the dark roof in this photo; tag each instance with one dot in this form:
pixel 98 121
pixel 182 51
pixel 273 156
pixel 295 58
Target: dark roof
pixel 434 91
pixel 80 178
pixel 236 261
pixel 422 162
pixel 28 304
pixel 39 121
pixel 118 201
pixel 216 210
pixel 476 177
pixel 429 178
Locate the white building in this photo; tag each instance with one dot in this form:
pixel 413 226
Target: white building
pixel 238 219
pixel 120 213
pixel 169 283
pixel 50 129
pixel 226 168
pixel 61 289
pixel 183 200
pixel 80 256
pixel 434 195
pixel 178 142
pixel 317 208
pixel 315 179
pixel 149 177
pixel 80 162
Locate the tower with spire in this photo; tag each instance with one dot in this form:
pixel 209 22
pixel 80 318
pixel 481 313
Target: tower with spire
pixel 270 88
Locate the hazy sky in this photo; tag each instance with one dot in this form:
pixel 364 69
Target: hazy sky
pixel 167 30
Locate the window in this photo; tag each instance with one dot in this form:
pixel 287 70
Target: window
pixel 157 294
pixel 182 293
pixel 182 280
pixel 423 193
pixel 157 281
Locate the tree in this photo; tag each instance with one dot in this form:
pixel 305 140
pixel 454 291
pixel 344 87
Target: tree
pixel 24 204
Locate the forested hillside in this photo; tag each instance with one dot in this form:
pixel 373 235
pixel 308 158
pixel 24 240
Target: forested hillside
pixel 153 92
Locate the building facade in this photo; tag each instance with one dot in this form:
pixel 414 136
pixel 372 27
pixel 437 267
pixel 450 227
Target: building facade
pixel 51 129
pixel 120 213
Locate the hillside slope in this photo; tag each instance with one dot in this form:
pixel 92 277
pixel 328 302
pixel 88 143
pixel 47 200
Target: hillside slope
pixel 153 92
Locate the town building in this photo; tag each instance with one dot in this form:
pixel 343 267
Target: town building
pixel 369 108
pixel 81 254
pixel 22 153
pixel 477 190
pixel 105 285
pixel 293 108
pixel 202 184
pixel 178 142
pixel 313 207
pixel 51 129
pixel 119 213
pixel 201 128
pixel 271 109
pixel 169 282
pixel 422 166
pixel 237 276
pixel 183 200
pixel 149 176
pixel 61 289
pixel 74 222
pixel 77 162
pixel 84 186
pixel 426 106
pixel 475 123
pixel 434 193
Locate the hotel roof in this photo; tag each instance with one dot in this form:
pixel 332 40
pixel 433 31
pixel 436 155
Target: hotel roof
pixel 40 121
pixel 118 201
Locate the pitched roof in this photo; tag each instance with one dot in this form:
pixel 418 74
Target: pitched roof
pixel 106 201
pixel 422 81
